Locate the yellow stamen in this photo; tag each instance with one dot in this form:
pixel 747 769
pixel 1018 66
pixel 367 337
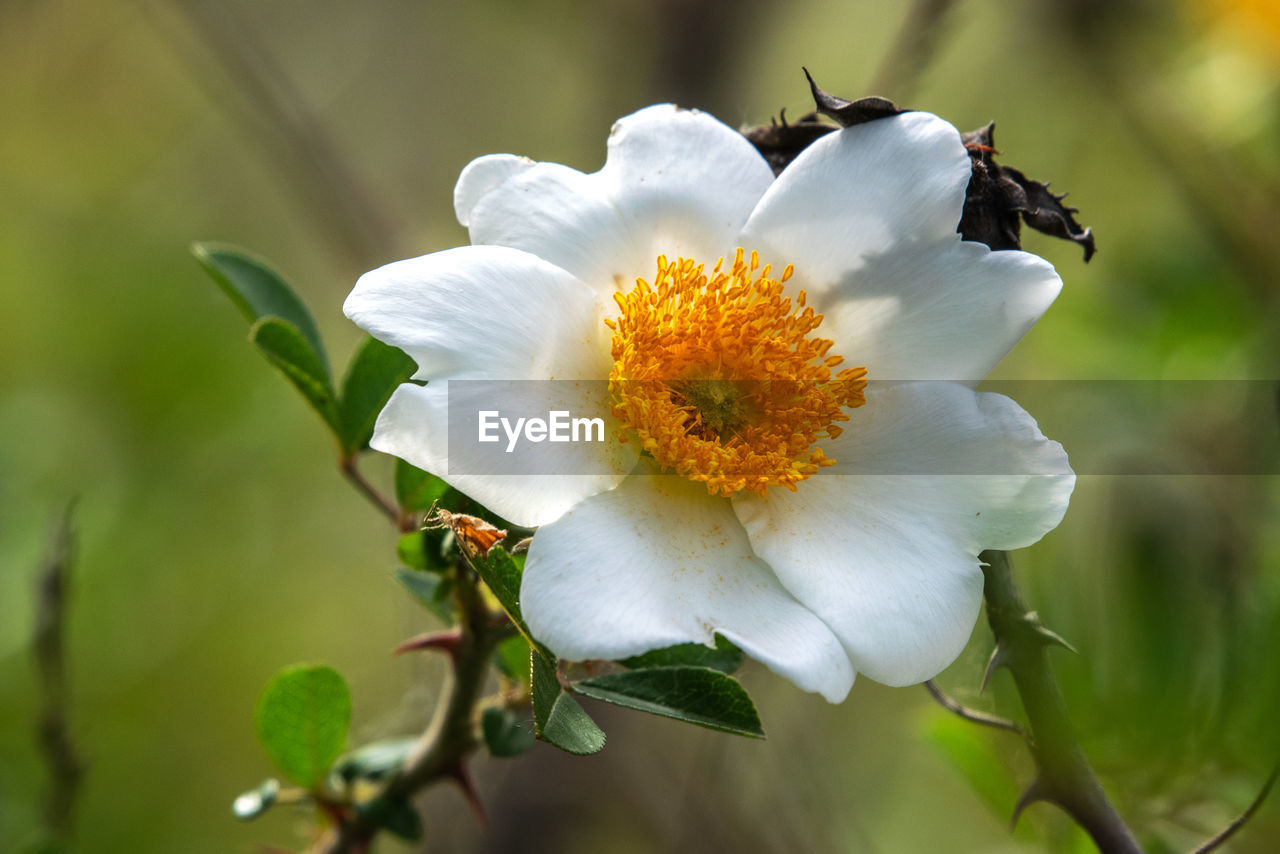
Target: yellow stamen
pixel 719 379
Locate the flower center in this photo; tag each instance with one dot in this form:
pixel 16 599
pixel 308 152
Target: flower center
pixel 721 380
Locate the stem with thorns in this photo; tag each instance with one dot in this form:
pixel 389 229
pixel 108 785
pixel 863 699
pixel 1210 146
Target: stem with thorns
pixel 442 749
pixel 1065 777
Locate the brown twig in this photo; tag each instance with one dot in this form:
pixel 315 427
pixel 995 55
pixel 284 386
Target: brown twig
pixel 386 506
pixel 65 767
pixel 1065 777
pixel 1231 829
pixel 977 717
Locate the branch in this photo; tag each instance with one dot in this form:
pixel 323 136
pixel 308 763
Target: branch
pixel 385 505
pixel 1064 776
pixel 969 714
pixel 65 767
pixel 442 749
pixel 1231 829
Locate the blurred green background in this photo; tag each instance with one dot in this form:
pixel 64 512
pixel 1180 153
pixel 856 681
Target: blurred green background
pixel 218 543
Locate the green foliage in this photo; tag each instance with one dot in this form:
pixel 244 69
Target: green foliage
pixel 696 695
pixel 512 658
pixel 281 326
pixel 302 719
pixel 372 375
pixel 427 549
pixel 283 329
pixel 256 801
pixel 724 656
pixel 505 735
pixel 394 815
pixel 258 291
pixel 558 718
pixel 286 348
pixel 416 489
pixel 430 590
pixel 502 573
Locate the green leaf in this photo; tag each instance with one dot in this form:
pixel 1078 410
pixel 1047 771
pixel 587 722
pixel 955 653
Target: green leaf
pixel 409 548
pixel 545 688
pixel 697 695
pixel 502 573
pixel 302 719
pixel 372 375
pixel 504 734
pixel 416 489
pixel 255 802
pixel 395 815
pixel 571 729
pixel 376 760
pixel 724 656
pixel 257 290
pixel 286 348
pixel 512 658
pixel 431 591
pixel 558 718
pixel 426 550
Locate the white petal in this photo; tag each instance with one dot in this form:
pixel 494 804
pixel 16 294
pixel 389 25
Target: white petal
pixel 885 550
pixel 683 182
pixel 676 182
pixel 657 562
pixel 485 312
pixel 565 217
pixel 859 192
pixel 961 448
pixel 948 310
pixel 482 175
pixel 415 426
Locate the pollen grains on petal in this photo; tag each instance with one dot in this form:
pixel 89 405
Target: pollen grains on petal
pixel 719 377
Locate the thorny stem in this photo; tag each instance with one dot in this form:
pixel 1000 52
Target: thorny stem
pixel 65 767
pixel 969 714
pixel 442 748
pixel 1065 776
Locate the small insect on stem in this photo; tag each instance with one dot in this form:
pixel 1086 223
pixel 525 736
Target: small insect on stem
pixel 476 536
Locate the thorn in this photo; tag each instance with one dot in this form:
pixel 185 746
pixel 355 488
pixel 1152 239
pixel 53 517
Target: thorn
pixel 1035 792
pixel 969 714
pixel 458 771
pixel 999 658
pixel 446 641
pixel 1047 635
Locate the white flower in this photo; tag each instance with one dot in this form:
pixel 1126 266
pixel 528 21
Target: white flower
pixel 867 566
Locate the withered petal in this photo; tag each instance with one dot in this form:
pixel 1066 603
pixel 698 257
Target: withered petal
pixel 998 199
pixel 850 113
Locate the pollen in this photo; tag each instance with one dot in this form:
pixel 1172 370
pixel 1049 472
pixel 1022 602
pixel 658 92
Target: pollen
pixel 719 377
